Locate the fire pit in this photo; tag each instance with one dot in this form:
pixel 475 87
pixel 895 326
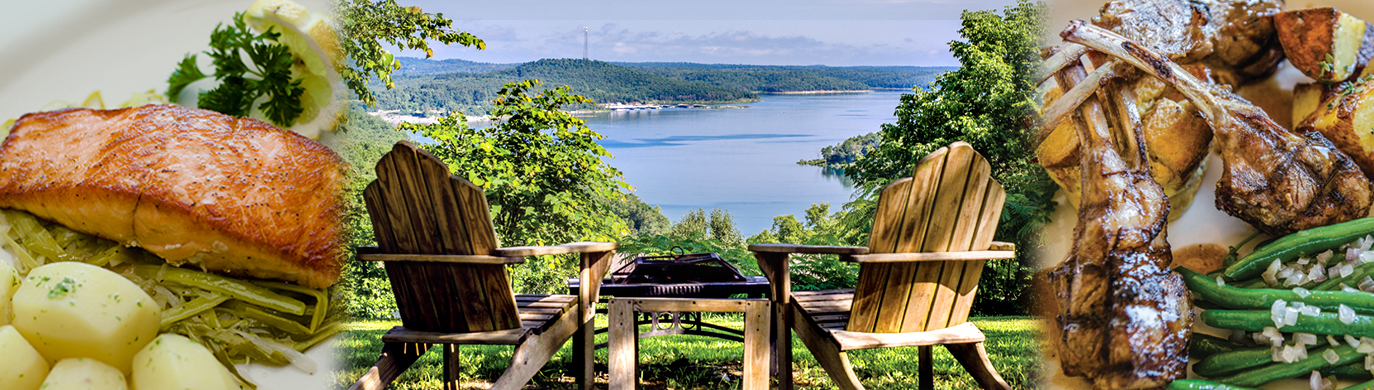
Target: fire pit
pixel 696 275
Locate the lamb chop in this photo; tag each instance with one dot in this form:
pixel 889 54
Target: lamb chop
pixel 1277 181
pixel 1235 38
pixel 1125 317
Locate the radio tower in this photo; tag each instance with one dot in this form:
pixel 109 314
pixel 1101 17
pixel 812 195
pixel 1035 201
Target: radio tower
pixel 584 42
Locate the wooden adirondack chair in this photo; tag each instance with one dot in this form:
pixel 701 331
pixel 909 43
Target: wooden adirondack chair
pixel 931 235
pixel 435 237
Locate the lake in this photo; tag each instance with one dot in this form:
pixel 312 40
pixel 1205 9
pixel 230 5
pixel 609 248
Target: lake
pixel 742 160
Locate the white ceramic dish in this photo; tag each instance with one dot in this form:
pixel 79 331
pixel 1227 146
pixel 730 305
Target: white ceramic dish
pixel 65 49
pixel 1202 223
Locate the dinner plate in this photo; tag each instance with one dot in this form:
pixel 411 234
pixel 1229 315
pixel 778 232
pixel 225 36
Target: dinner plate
pixel 63 50
pixel 1201 223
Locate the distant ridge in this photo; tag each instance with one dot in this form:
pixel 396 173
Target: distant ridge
pixel 442 85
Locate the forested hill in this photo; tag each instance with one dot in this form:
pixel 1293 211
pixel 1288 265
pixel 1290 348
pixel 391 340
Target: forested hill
pixel 603 82
pixel 417 66
pixel 445 85
pixel 767 78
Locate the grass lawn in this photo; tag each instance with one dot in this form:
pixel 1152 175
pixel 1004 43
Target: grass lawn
pixel 693 362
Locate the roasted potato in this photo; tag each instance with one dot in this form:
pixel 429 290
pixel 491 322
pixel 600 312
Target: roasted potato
pixel 1347 119
pixel 9 282
pixel 24 368
pixel 1324 43
pixel 1176 141
pixel 173 362
pixel 72 309
pixel 85 374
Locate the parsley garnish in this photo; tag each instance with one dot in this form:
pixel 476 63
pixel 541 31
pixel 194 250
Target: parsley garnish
pixel 264 72
pixel 61 289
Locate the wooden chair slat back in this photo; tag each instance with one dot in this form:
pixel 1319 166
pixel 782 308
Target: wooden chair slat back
pixel 418 207
pixel 950 203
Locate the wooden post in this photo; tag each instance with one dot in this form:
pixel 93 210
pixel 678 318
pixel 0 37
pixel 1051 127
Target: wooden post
pixel 776 267
pixel 451 367
pixel 926 366
pixel 756 351
pixel 624 346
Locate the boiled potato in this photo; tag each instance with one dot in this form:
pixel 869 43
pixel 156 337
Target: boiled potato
pixel 70 309
pixel 24 368
pixel 174 362
pixel 9 281
pixel 1347 119
pixel 84 374
pixel 1324 43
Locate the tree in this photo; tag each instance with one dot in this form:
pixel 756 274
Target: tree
pixel 987 103
pixel 541 169
pixel 368 23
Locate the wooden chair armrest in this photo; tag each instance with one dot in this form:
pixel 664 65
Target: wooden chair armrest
pixel 809 249
pixel 574 247
pixel 372 253
pixel 1001 246
pixel 932 256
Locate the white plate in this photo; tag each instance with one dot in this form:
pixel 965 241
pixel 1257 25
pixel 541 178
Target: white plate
pixel 1202 223
pixel 65 49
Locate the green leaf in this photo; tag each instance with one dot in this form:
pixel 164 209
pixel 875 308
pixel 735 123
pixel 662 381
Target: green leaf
pixel 186 73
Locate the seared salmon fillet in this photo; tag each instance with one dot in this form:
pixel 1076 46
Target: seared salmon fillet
pixel 232 195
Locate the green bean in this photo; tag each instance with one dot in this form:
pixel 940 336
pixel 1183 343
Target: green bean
pixel 1263 298
pixel 1303 243
pixel 1234 361
pixel 188 309
pixel 1324 323
pixel 1204 345
pixel 1198 384
pixel 1232 253
pixel 1352 371
pixel 1363 386
pixel 237 289
pixel 1334 282
pixel 1277 371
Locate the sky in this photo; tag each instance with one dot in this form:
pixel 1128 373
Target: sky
pixel 769 32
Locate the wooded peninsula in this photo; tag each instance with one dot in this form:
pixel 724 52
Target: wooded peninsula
pixel 428 87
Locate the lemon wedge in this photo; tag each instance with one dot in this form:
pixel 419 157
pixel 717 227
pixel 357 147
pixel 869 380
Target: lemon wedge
pixel 315 46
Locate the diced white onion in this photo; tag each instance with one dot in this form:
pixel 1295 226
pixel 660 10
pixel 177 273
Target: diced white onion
pixel 1277 352
pixel 1368 241
pixel 1220 281
pixel 1332 340
pixel 1331 357
pixel 1346 288
pixel 1352 254
pixel 1366 345
pixel 1367 256
pixel 1290 316
pixel 1346 314
pixel 1271 271
pixel 1346 270
pixel 1305 338
pixel 1311 311
pixel 1284 273
pixel 1289 354
pixel 1367 284
pixel 1303 261
pixel 1302 292
pixel 1317 274
pixel 1324 256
